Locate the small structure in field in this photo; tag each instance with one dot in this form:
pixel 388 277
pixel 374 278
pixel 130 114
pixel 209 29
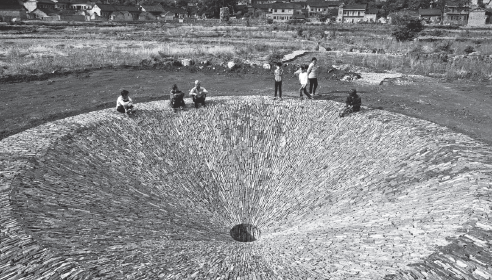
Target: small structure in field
pixel 479 17
pixel 45 14
pixel 430 15
pixel 224 14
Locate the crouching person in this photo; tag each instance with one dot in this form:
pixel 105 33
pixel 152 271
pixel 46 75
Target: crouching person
pixel 352 104
pixel 198 94
pixel 124 103
pixel 176 98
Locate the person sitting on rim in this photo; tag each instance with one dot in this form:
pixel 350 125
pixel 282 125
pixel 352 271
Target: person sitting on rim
pixel 176 99
pixel 352 104
pixel 124 103
pixel 198 94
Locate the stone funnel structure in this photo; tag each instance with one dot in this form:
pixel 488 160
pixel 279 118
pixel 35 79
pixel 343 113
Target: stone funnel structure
pixel 244 189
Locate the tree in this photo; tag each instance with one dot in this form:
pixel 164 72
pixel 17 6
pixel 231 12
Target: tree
pixel 414 5
pixel 407 27
pixel 212 7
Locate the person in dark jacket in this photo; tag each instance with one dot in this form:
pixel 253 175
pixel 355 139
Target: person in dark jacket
pixel 352 103
pixel 176 98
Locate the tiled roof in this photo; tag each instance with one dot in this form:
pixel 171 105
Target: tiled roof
pixel 174 10
pixel 372 11
pixel 117 8
pixel 278 5
pixel 49 12
pixel 323 3
pixel 430 12
pixel 156 8
pixel 355 7
pixel 46 2
pixel 125 8
pixel 262 6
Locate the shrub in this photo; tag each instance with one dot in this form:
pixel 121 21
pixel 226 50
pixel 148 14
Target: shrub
pixel 445 46
pixel 275 56
pixel 407 29
pixel 469 49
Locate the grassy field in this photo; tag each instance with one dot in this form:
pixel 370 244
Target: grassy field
pixel 47 49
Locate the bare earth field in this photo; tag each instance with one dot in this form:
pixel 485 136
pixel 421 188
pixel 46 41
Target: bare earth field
pixel 463 106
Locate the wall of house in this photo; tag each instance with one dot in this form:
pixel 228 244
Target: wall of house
pixel 121 16
pixel 477 18
pixel 370 17
pixel 73 18
pixel 9 15
pixel 456 19
pixel 51 18
pixel 282 12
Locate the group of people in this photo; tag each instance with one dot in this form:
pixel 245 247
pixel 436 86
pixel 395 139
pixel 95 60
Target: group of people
pixel 124 103
pixel 307 74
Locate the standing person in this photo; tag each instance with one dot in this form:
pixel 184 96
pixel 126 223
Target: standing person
pixel 352 104
pixel 313 76
pixel 303 79
pixel 124 103
pixel 176 99
pixel 198 94
pixel 278 80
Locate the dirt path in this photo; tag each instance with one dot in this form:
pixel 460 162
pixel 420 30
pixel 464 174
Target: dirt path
pixel 463 107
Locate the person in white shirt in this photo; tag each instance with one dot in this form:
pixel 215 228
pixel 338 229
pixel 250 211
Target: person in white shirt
pixel 313 76
pixel 303 79
pixel 124 103
pixel 198 94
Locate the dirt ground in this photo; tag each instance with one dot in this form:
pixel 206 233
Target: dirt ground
pixel 463 106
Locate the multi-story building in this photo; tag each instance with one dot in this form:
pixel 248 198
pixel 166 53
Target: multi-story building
pixel 317 8
pixel 430 15
pixel 282 12
pixel 351 13
pixel 456 13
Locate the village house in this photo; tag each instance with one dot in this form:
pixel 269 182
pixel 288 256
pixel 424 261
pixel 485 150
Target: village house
pixel 456 13
pixel 45 14
pixel 479 17
pixel 81 5
pixel 430 15
pixel 45 4
pixel 171 13
pixel 351 13
pixel 115 12
pixel 156 11
pixel 11 10
pixel 74 15
pixel 282 12
pixel 318 8
pixel 63 4
pixel 371 15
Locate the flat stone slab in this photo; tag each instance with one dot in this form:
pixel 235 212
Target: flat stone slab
pixel 293 55
pixel 374 195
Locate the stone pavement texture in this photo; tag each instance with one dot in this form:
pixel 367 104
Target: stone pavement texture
pixel 374 195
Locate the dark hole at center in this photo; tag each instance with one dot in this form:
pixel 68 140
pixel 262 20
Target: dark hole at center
pixel 245 233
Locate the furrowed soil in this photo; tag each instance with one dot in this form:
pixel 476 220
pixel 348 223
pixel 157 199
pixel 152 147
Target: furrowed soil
pixel 463 106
